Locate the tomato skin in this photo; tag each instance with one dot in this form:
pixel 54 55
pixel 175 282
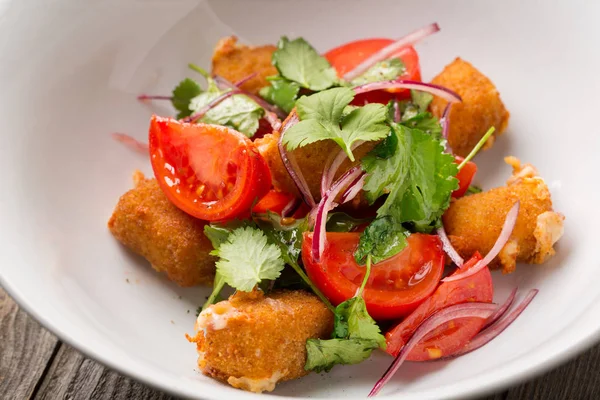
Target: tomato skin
pixel 188 158
pixel 448 338
pixel 346 57
pixel 274 201
pixel 464 176
pixel 338 275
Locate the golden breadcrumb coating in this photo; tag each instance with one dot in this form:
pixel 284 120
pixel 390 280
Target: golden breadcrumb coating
pixel 235 61
pixel 252 341
pixel 480 109
pixel 146 222
pixel 474 222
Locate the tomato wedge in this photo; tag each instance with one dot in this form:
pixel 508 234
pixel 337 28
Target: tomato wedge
pixel 209 171
pixel 274 201
pixel 395 287
pixel 464 176
pixel 450 337
pixel 348 56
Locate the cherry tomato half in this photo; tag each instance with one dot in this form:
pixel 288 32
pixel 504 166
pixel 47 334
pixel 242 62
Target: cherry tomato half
pixel 211 172
pixel 395 287
pixel 464 176
pixel 452 336
pixel 348 56
pixel 274 201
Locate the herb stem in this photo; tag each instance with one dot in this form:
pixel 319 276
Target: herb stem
pixel 477 147
pixel 307 280
pixel 218 285
pixel 199 70
pixel 366 278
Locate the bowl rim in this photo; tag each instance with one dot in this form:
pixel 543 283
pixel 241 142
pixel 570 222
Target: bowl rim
pixel 516 371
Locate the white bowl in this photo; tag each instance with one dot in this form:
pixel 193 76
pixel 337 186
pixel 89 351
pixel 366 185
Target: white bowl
pixel 69 73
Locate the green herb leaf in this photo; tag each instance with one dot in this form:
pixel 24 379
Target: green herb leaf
pixel 298 61
pixel 382 239
pixel 419 178
pixel 473 190
pixel 426 122
pixel 421 99
pixel 355 335
pixel 218 285
pixel 238 111
pixel 342 222
pixel 246 258
pixel 382 71
pixel 183 95
pixel 289 240
pixel 322 355
pixel 282 93
pixel 322 117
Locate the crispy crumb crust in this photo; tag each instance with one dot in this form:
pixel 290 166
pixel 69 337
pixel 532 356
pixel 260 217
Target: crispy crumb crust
pixel 264 339
pixel 481 108
pixel 146 222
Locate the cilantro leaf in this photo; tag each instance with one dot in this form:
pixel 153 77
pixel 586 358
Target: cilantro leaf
pixel 342 222
pixel 382 71
pixel 322 117
pixel 281 92
pixel 355 335
pixel 425 122
pixel 183 95
pixel 246 258
pixel 298 61
pixel 419 178
pixel 473 190
pixel 421 99
pixel 383 238
pixel 238 111
pixel 322 355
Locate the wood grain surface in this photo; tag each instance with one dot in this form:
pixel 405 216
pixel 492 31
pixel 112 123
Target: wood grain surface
pixel 34 364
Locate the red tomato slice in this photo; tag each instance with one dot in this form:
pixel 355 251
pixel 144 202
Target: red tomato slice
pixel 274 201
pixel 395 287
pixel 211 172
pixel 464 176
pixel 449 338
pixel 348 56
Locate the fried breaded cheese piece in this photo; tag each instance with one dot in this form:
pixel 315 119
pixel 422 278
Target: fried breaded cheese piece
pixel 253 341
pixel 311 160
pixel 235 61
pixel 473 223
pixel 480 109
pixel 146 222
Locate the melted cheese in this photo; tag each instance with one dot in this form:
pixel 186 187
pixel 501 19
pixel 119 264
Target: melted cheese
pixel 256 385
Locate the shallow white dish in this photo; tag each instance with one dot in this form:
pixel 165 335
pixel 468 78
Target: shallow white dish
pixel 69 73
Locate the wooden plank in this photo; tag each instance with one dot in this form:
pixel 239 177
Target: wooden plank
pixel 25 350
pixel 578 379
pixel 73 376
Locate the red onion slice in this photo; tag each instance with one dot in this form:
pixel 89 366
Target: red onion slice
pixel 325 205
pixel 494 330
pixel 332 165
pixel 131 142
pixel 354 188
pixel 501 310
pixel 509 225
pixel 245 79
pixel 465 310
pixel 224 83
pixel 144 97
pixel 291 207
pixel 389 50
pixel 435 90
pixel 448 248
pixel 397 116
pixel 212 104
pixel 445 121
pixel 291 165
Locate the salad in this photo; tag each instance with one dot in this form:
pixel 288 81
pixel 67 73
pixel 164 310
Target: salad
pixel 334 194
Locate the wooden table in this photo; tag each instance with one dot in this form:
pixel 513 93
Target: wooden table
pixel 34 364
